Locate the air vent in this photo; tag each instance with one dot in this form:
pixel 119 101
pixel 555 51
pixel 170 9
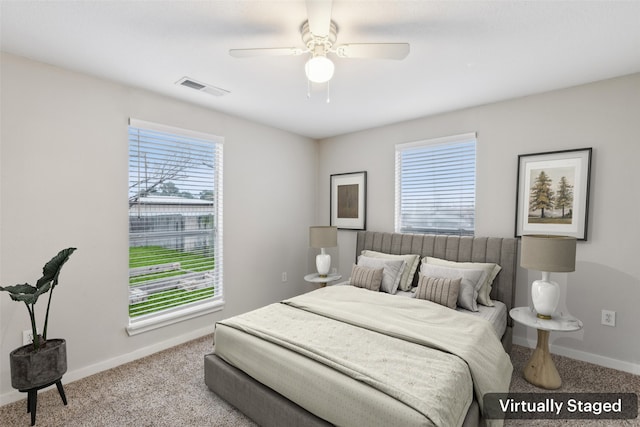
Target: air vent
pixel 202 87
pixel 192 84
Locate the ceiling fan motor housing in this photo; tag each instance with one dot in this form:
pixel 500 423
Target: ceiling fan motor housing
pixel 318 45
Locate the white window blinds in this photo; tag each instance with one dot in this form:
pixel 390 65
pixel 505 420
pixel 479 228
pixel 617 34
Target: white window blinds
pixel 175 221
pixel 436 186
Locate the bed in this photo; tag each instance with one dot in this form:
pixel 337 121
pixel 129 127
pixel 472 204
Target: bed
pixel 361 358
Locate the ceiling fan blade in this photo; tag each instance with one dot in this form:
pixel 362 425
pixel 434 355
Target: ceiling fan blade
pixel 373 50
pixel 319 15
pixel 275 51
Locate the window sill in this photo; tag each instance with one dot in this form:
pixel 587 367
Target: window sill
pixel 138 326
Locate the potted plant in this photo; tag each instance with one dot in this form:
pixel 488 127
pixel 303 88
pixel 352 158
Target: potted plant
pixel 42 362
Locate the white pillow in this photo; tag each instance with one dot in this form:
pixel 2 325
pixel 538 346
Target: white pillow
pixel 409 271
pixel 469 286
pixel 391 274
pixel 491 269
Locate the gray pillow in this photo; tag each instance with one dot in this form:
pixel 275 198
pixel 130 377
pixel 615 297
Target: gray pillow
pixel 469 286
pixel 438 290
pixel 366 277
pixel 409 271
pixel 391 273
pixel 491 271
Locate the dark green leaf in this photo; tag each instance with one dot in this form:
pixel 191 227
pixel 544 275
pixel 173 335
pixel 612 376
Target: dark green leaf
pixel 25 293
pixel 51 270
pixel 19 289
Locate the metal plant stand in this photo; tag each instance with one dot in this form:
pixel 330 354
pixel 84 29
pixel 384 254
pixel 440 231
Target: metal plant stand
pixel 32 397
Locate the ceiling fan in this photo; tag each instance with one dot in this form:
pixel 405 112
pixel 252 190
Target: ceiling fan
pixel 319 34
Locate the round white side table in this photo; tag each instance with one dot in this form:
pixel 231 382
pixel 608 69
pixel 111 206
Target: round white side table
pixel 540 369
pixel 316 278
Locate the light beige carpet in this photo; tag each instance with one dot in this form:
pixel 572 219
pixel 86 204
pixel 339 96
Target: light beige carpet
pixel 167 389
pixel 577 377
pixel 164 389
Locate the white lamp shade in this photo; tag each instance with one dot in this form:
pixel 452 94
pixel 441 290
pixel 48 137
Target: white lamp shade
pixel 319 69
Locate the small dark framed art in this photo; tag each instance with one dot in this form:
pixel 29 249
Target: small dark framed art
pixel 553 193
pixel 348 200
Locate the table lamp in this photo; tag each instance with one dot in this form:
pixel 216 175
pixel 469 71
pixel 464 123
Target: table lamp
pixel 547 254
pixel 321 237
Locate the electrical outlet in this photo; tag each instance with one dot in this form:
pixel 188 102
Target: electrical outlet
pixel 284 276
pixel 27 337
pixel 608 318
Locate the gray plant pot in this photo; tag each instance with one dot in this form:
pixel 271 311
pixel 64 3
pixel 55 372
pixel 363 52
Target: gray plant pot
pixel 31 369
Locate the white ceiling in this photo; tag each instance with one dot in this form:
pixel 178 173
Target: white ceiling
pixel 462 53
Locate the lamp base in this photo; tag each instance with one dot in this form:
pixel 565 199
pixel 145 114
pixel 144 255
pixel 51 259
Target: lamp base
pixel 545 295
pixel 323 264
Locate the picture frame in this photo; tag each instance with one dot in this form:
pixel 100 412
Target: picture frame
pixel 348 200
pixel 552 196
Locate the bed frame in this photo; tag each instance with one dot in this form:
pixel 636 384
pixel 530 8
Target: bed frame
pixel 268 408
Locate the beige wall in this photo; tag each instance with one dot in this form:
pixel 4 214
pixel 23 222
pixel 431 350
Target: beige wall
pixel 603 115
pixel 63 168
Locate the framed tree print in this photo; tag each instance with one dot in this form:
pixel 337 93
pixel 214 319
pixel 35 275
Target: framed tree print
pixel 553 193
pixel 348 200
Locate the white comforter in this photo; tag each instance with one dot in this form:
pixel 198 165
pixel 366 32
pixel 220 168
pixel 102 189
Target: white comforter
pixel 362 342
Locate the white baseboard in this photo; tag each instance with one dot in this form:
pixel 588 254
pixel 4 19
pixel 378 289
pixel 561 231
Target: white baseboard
pixel 86 371
pixel 596 359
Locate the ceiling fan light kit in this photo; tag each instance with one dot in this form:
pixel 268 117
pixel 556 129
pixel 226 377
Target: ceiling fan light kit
pixel 319 69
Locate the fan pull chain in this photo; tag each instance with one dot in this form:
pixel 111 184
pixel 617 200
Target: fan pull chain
pixel 328 91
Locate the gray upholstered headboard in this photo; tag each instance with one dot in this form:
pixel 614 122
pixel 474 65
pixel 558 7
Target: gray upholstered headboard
pixel 501 250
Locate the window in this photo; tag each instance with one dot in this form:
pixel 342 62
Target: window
pixel 436 186
pixel 175 225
